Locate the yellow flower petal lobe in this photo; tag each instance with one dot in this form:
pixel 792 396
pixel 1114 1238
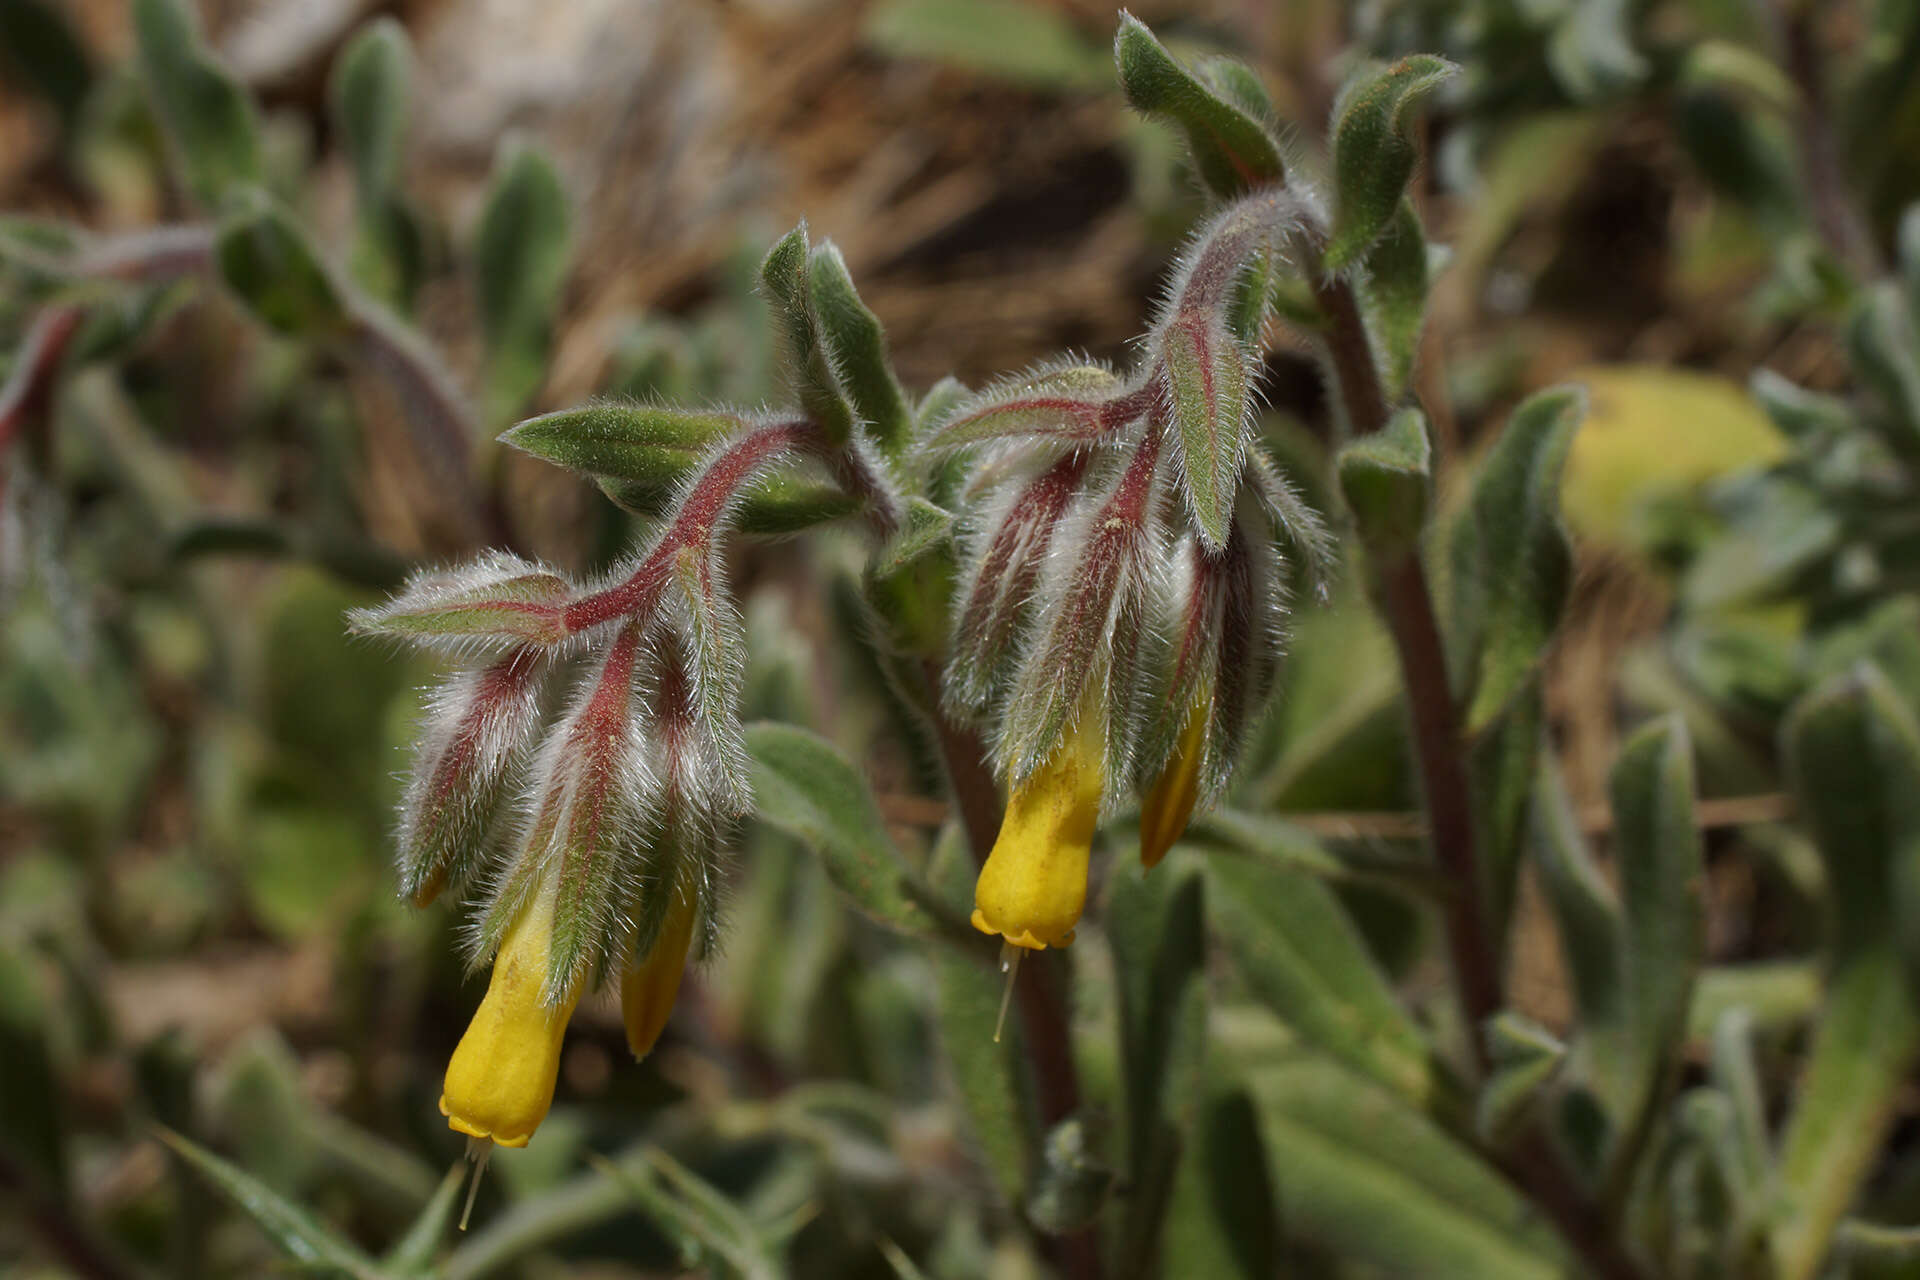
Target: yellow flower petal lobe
pixel 1169 805
pixel 500 1080
pixel 1034 884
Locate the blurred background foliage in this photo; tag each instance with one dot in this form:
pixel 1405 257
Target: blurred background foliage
pixel 227 421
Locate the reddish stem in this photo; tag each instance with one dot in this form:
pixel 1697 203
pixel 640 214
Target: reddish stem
pixel 693 523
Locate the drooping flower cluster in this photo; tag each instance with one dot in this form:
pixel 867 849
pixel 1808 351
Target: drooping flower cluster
pixel 1121 613
pixel 591 837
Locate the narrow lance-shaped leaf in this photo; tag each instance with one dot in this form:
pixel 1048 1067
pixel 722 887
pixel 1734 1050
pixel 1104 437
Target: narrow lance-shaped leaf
pixel 1232 149
pixel 857 350
pixel 1362 1174
pixel 1512 561
pixel 646 449
pixel 368 97
pixel 1157 927
pixel 1886 352
pixel 1299 952
pixel 1657 844
pixel 413 1254
pixel 1224 1218
pixel 804 787
pixel 909 582
pixel 1396 296
pixel 982 1068
pixel 1853 754
pixel 1374 151
pixel 784 278
pixel 208 117
pixel 1387 482
pixel 275 270
pixel 520 256
pixel 291 1227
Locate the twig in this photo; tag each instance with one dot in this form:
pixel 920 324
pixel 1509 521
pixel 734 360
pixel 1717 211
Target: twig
pixel 1822 176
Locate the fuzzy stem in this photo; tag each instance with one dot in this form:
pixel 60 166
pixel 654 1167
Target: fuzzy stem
pixel 1440 748
pixel 694 522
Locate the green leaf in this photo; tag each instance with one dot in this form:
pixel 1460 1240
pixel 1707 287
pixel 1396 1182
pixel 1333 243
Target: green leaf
pixel 692 1210
pixel 910 580
pixel 1909 247
pixel 208 117
pixel 296 1232
pixel 1525 1057
pixel 413 1253
pixel 784 278
pixel 1657 845
pixel 1233 151
pixel 367 95
pixel 1886 354
pixel 1586 912
pixel 1374 151
pixel 1156 924
pixel 276 271
pixel 857 350
pixel 1020 43
pixel 983 1069
pixel 647 451
pixel 367 98
pixel 1511 559
pixel 1501 763
pixel 1395 292
pixel 1300 953
pixel 1208 383
pixel 1223 1221
pixel 520 255
pixel 1387 481
pixel 804 787
pixel 1801 414
pixel 1374 1181
pixel 1853 755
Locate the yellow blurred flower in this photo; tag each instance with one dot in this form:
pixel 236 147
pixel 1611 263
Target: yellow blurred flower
pixel 1169 805
pixel 648 988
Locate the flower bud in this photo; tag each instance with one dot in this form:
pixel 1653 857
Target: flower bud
pixel 1169 804
pixel 649 987
pixel 500 1080
pixel 1034 884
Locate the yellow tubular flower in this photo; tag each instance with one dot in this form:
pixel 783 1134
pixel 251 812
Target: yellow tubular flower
pixel 1169 805
pixel 648 989
pixel 1035 882
pixel 500 1081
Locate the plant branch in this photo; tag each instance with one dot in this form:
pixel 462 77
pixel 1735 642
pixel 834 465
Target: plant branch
pixel 1440 751
pixel 1834 215
pixel 1440 748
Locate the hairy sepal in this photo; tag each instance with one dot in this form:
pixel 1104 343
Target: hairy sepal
pixel 1203 338
pixel 584 822
pixel 494 603
pixel 476 730
pixel 1067 402
pixel 1102 566
pixel 1001 575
